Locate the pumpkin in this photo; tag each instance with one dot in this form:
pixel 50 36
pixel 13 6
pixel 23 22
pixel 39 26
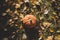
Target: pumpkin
pixel 29 20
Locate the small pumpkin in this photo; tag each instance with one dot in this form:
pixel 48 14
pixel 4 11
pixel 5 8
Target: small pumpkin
pixel 29 20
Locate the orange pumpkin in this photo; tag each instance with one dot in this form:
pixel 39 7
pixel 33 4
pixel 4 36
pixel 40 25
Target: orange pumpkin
pixel 29 20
